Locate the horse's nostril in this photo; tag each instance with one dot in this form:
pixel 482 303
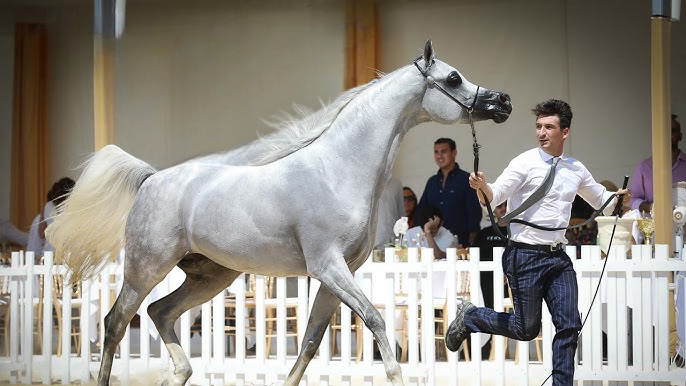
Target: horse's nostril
pixel 504 98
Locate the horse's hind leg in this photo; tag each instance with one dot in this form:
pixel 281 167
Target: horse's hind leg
pixel 325 304
pixel 137 284
pixel 204 279
pixel 336 276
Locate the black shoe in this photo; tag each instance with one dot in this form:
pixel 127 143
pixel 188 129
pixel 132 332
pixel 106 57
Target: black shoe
pixel 458 331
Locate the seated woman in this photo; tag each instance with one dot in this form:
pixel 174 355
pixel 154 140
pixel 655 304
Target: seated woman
pixel 410 202
pixel 430 233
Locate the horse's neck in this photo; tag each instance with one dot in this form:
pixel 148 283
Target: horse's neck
pixel 363 142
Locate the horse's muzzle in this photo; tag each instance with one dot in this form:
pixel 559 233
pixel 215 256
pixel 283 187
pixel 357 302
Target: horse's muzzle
pixel 493 105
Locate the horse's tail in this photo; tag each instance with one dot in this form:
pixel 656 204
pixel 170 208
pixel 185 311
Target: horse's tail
pixel 89 225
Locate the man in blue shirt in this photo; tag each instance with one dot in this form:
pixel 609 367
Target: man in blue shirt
pixel 449 191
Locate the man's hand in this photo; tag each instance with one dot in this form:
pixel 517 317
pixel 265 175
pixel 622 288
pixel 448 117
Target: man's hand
pixel 627 196
pixel 432 225
pixel 477 181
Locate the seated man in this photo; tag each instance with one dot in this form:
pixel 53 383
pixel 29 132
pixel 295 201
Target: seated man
pixel 430 233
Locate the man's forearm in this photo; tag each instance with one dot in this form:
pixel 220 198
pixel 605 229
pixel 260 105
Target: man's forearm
pixel 486 190
pixel 438 253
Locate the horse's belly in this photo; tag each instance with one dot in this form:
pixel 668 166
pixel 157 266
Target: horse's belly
pixel 268 261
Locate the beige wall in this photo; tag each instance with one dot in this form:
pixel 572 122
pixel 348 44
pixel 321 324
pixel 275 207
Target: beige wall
pixel 197 77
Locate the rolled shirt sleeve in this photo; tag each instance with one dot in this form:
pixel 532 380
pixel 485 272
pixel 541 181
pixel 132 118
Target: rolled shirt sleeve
pixel 594 193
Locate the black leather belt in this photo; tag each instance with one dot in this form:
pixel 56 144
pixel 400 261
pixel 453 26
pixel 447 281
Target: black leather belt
pixel 534 247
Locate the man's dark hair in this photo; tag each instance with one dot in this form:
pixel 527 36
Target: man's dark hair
pixel 60 190
pixel 426 213
pixel 554 107
pixel 674 119
pixel 449 141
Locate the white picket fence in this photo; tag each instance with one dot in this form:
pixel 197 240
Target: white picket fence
pixel 637 345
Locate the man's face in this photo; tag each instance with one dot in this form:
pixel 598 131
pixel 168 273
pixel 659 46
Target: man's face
pixel 443 156
pixel 676 134
pixel 549 135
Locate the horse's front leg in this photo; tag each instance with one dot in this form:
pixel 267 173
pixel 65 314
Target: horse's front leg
pixel 336 276
pixel 325 304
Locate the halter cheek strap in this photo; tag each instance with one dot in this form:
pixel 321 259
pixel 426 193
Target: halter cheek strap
pixel 430 80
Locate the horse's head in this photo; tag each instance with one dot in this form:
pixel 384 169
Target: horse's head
pixel 450 96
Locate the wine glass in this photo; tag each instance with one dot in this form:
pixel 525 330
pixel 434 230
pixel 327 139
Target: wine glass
pixel 646 225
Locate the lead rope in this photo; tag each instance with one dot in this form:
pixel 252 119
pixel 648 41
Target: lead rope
pixel 616 213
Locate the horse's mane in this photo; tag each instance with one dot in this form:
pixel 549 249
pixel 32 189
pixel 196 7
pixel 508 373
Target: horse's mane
pixel 292 133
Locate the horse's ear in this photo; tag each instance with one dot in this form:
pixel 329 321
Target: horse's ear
pixel 429 54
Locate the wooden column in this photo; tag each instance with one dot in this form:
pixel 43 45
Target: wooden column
pixel 362 54
pixel 661 128
pixel 103 91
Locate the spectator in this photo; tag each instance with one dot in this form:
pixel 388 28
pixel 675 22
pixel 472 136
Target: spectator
pixel 448 190
pixel 642 181
pixel 410 203
pixel 431 234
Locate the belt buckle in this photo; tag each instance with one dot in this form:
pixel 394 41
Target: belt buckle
pixel 556 248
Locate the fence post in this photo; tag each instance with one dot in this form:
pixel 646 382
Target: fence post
pixel 413 313
pixel 27 346
pixel 498 297
pixel 389 297
pixel 144 332
pixel 240 329
pixel 47 318
pixel 14 315
pixel 85 330
pixel 428 325
pixel 281 321
pixel 662 299
pixel 475 290
pixel 219 343
pixel 622 327
pixel 206 341
pixel 451 308
pixel 260 354
pixel 66 329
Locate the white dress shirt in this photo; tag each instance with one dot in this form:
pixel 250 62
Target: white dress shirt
pixel 525 174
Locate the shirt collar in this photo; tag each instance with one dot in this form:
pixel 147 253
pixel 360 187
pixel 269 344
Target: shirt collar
pixel 456 168
pixel 681 156
pixel 547 157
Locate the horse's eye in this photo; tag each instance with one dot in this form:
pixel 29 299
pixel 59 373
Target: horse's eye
pixel 453 79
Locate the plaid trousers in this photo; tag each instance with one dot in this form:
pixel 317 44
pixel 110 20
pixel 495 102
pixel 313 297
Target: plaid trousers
pixel 534 276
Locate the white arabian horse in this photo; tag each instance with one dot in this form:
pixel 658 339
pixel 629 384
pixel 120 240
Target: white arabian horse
pixel 302 201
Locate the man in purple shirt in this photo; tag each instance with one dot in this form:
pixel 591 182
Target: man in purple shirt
pixel 642 182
